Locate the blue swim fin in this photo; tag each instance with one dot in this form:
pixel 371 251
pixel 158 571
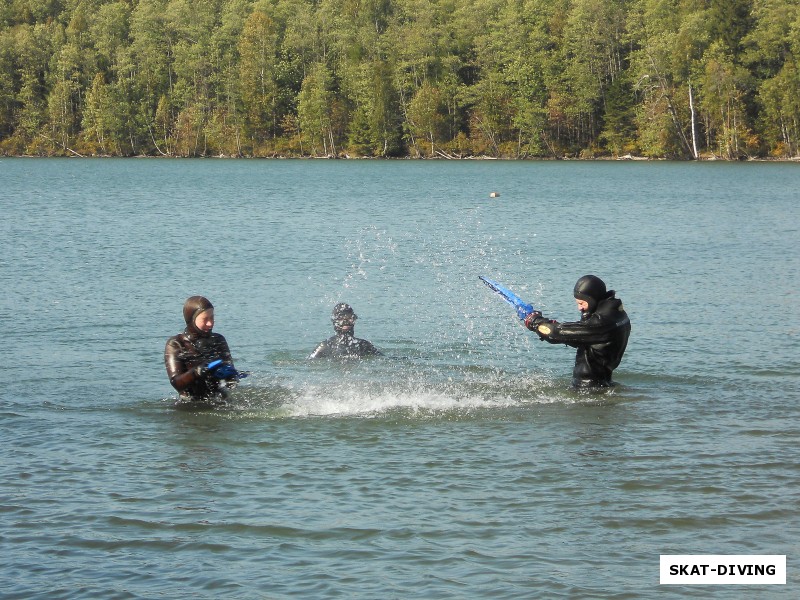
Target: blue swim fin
pixel 523 308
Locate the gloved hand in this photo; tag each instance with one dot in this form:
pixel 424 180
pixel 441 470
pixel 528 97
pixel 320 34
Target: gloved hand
pixel 533 319
pixel 523 310
pixel 202 370
pixel 226 371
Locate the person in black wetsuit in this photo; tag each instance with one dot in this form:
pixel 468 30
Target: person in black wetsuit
pixel 344 344
pixel 198 361
pixel 600 337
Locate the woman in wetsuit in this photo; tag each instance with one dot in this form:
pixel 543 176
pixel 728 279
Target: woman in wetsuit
pixel 198 361
pixel 600 337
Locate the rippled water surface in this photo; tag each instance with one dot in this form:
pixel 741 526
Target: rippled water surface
pixel 459 465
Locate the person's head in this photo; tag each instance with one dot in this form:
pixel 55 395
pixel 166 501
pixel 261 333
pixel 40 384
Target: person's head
pixel 589 290
pixel 198 312
pixel 344 319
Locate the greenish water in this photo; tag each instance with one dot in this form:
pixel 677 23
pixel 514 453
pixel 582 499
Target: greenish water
pixel 458 466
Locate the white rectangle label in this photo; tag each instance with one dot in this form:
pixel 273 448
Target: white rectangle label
pixel 716 569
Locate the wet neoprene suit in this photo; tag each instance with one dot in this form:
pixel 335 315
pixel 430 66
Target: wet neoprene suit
pixel 187 351
pixel 344 345
pixel 600 337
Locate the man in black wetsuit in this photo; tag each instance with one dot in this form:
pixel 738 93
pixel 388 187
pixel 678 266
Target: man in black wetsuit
pixel 199 363
pixel 601 335
pixel 344 344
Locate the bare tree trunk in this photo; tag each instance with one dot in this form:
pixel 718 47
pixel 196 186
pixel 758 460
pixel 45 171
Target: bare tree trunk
pixel 694 130
pixel 672 111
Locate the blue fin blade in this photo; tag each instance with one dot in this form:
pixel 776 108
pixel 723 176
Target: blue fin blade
pixel 507 295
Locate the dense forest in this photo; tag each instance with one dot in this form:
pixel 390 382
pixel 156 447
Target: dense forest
pixel 681 79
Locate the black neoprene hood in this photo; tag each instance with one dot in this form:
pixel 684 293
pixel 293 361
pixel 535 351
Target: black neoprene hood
pixel 590 288
pixel 193 307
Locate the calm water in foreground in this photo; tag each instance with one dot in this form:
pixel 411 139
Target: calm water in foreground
pixel 457 466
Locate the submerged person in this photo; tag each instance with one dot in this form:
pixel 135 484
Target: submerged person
pixel 344 344
pixel 198 361
pixel 600 337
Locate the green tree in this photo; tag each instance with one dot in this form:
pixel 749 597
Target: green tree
pixel 163 128
pixel 427 48
pixel 375 125
pixel 226 125
pixel 513 53
pixel 426 120
pixel 7 84
pixel 672 36
pixel 315 111
pixel 72 67
pixel 490 115
pixel 100 121
pixel 146 73
pixel 730 22
pixel 33 49
pixel 61 114
pixel 258 48
pixel 190 25
pixel 619 132
pixel 773 55
pixel 723 88
pixel 34 11
pixel 109 28
pixel 781 111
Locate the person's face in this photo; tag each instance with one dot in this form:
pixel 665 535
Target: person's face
pixel 345 323
pixel 205 321
pixel 583 305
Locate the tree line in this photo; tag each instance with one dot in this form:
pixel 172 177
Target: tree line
pixel 681 79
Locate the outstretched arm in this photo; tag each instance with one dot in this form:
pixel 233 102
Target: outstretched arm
pixel 594 330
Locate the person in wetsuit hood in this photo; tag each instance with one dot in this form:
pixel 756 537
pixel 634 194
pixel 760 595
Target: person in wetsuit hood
pixel 600 337
pixel 344 344
pixel 198 361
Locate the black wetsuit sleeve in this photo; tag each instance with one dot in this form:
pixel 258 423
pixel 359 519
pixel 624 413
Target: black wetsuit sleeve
pixel 368 349
pixel 594 330
pixel 181 373
pixel 321 351
pixel 224 353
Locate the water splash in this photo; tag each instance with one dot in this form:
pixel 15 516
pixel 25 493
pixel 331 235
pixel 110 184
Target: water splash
pixel 470 395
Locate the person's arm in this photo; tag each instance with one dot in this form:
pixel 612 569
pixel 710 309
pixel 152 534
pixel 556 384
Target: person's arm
pixel 594 330
pixel 181 375
pixel 368 349
pixel 321 351
pixel 223 351
pixel 221 367
pixel 227 370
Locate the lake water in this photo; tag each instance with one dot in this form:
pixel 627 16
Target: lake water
pixel 460 465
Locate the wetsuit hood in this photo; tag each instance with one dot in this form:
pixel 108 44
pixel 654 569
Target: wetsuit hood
pixel 193 307
pixel 591 289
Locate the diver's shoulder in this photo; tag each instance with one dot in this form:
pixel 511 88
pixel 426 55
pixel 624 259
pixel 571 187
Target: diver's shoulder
pixel 178 339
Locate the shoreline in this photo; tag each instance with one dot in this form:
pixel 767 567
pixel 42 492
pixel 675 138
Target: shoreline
pixel 624 158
